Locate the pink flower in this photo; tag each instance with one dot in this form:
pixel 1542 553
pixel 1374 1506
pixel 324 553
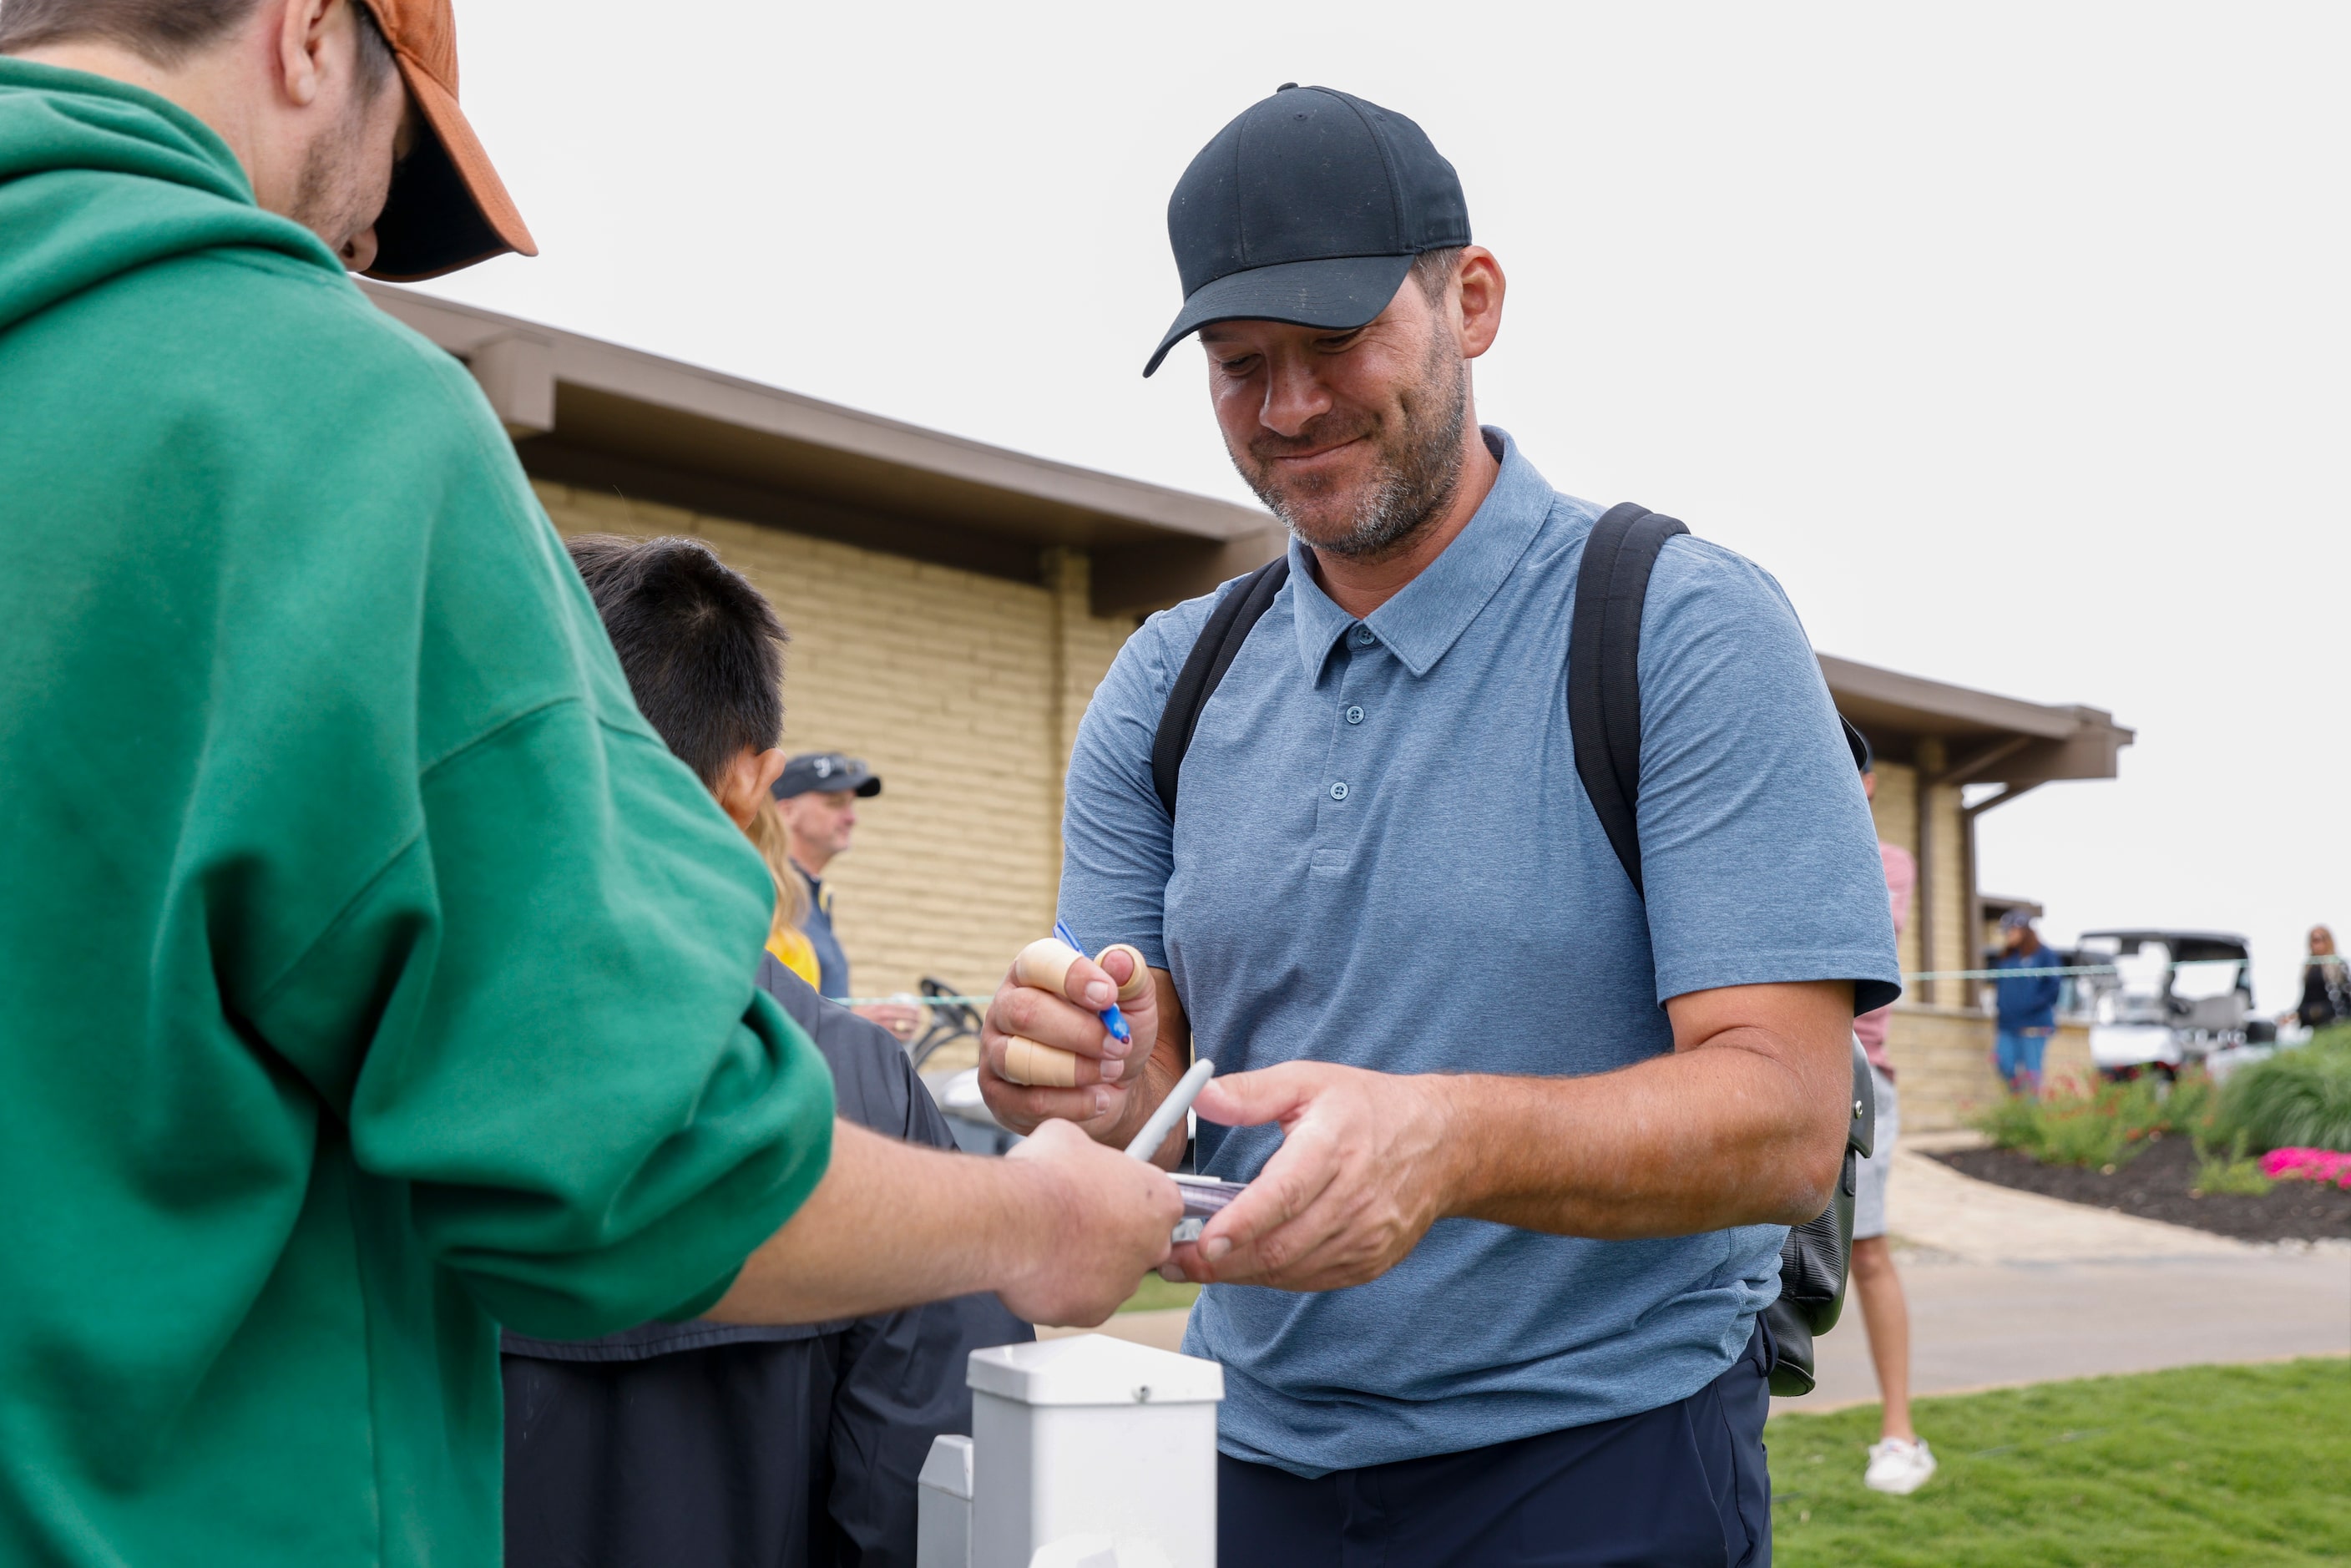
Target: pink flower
pixel 2308 1164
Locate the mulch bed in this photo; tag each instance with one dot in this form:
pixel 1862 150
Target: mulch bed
pixel 2156 1186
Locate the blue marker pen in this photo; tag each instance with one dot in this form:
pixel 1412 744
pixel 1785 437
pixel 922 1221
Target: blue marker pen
pixel 1113 1019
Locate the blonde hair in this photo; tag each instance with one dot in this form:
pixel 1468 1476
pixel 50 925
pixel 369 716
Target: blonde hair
pixel 775 847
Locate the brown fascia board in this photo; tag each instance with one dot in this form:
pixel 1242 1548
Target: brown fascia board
pixel 655 417
pixel 585 412
pixel 1134 580
pixel 2020 744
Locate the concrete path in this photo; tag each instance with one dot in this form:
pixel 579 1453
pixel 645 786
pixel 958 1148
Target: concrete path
pixel 2009 1287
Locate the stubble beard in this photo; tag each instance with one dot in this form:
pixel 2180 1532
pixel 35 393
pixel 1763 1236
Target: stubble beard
pixel 1416 475
pixel 333 197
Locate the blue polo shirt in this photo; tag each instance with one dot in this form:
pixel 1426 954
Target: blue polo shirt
pixel 1382 857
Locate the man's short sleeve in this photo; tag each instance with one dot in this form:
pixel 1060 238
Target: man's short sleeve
pixel 537 1009
pixel 1758 853
pixel 1117 844
pixel 597 1118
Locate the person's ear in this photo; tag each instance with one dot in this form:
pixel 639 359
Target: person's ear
pixel 742 790
pixel 1480 287
pixel 302 46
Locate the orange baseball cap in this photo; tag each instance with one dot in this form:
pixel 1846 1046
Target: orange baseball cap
pixel 448 208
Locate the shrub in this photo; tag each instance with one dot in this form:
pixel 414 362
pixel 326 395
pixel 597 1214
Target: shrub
pixel 2108 1125
pixel 2296 1099
pixel 2241 1178
pixel 2231 1173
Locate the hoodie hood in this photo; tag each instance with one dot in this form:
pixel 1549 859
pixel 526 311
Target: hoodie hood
pixel 98 178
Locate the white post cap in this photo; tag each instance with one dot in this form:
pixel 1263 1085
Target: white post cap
pixel 948 1467
pixel 1094 1369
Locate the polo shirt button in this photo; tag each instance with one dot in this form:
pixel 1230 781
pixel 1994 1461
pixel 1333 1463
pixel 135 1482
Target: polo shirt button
pixel 1354 715
pixel 1365 637
pixel 1339 790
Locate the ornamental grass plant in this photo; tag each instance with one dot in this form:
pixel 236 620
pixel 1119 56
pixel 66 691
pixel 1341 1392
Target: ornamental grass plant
pixel 2297 1099
pixel 2231 1171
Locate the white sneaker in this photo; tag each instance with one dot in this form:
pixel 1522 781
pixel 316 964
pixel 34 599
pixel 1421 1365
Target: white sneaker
pixel 1898 1467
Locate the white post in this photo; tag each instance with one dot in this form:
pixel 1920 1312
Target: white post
pixel 942 1505
pixel 1090 1452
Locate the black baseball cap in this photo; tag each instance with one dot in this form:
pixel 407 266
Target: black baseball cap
pixel 1309 208
pixel 828 771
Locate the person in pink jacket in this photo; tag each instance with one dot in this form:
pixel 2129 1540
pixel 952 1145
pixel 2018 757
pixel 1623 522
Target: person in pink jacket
pixel 1899 1462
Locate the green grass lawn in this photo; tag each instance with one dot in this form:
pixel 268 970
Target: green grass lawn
pixel 2207 1465
pixel 1156 1295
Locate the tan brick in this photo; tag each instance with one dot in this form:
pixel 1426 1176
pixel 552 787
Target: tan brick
pixel 962 691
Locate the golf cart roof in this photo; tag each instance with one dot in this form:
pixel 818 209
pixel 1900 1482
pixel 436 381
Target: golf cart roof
pixel 2186 947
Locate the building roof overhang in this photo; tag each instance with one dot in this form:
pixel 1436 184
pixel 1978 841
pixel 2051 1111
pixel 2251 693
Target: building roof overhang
pixel 1957 734
pixel 584 412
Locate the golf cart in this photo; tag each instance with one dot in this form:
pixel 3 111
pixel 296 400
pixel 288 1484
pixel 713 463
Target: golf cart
pixel 2173 1000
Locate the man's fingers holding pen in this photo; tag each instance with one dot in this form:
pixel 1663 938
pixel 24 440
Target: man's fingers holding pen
pixel 1045 1057
pixel 1048 964
pixel 1024 1010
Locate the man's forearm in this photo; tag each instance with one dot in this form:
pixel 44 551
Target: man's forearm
pixel 890 1224
pixel 1697 1141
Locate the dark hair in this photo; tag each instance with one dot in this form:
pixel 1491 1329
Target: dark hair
pixel 701 648
pixel 1433 270
pixel 165 32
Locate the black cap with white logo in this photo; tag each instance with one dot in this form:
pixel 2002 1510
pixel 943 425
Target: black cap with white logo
pixel 826 771
pixel 1308 209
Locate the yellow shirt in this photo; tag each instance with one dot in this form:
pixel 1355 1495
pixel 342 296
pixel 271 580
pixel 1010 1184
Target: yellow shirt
pixel 794 952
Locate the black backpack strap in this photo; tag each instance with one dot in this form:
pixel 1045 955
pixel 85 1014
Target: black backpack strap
pixel 1221 639
pixel 1603 668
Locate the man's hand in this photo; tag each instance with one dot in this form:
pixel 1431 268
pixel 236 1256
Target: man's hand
pixel 1104 1101
pixel 1364 1168
pixel 1063 1230
pixel 1107 1219
pixel 901 1018
pixel 1743 1123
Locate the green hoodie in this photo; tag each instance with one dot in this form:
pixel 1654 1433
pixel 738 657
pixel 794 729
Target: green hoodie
pixel 370 974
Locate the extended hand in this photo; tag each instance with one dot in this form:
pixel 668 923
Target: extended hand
pixel 901 1018
pixel 1366 1166
pixel 1106 1069
pixel 1101 1222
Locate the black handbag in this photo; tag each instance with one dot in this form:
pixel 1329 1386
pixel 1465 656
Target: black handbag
pixel 1818 1254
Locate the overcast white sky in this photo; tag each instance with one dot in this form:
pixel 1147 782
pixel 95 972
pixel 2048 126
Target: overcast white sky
pixel 2012 338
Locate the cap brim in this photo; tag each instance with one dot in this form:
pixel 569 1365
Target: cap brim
pixel 1337 293
pixel 865 788
pixel 448 208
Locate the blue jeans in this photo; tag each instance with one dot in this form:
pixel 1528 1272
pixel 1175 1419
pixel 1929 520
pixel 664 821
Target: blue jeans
pixel 2018 1056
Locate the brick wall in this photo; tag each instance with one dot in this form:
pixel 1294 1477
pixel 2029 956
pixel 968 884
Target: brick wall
pixel 962 691
pixel 1942 1063
pixel 1895 810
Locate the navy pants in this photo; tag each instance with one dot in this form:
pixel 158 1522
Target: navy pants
pixel 1680 1485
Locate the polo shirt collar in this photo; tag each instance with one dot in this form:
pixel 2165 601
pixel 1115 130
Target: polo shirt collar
pixel 1429 616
